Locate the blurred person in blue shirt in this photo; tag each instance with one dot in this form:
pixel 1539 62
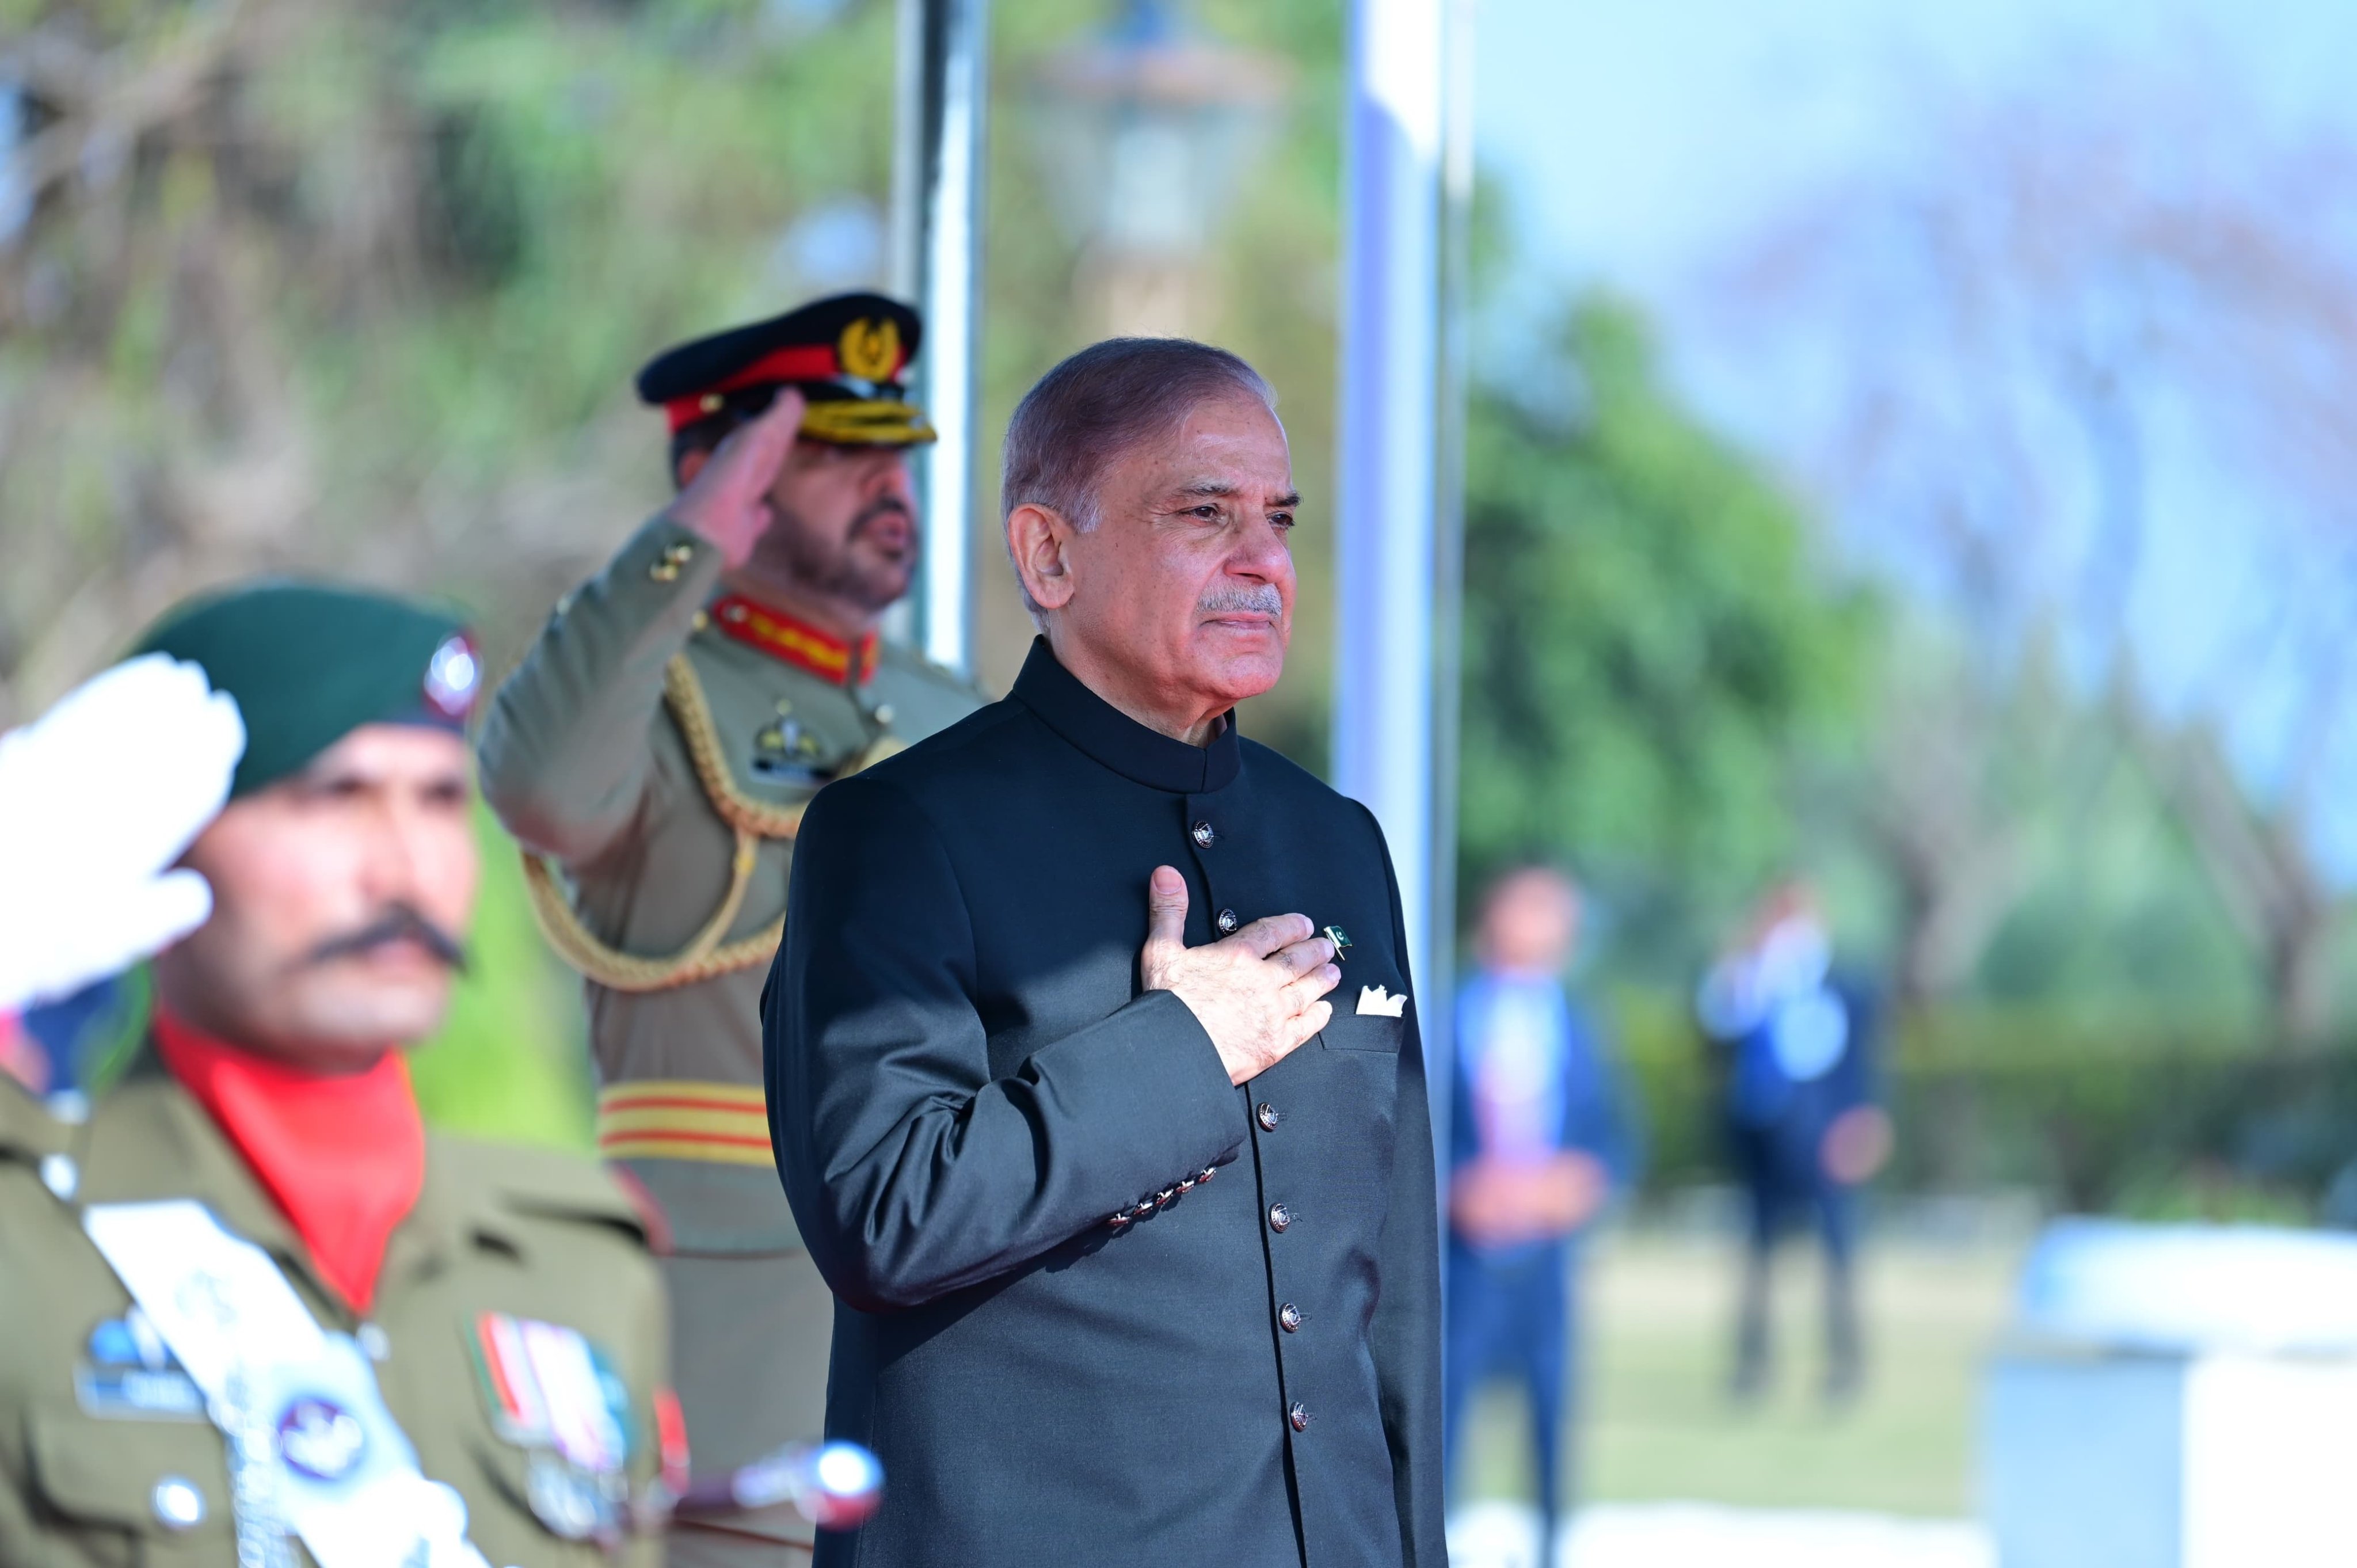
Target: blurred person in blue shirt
pixel 1539 1144
pixel 1804 1119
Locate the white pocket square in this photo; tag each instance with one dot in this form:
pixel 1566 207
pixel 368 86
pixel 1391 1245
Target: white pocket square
pixel 1375 1004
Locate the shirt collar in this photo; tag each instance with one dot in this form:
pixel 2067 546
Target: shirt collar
pixel 343 1156
pixel 1112 737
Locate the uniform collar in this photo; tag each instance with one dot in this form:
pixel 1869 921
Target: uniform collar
pixel 148 1139
pixel 796 642
pixel 1112 737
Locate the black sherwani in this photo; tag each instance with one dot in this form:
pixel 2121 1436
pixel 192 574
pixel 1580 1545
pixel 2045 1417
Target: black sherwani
pixel 1069 1347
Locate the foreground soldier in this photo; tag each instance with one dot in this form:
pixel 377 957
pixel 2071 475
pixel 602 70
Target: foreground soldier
pixel 250 1302
pixel 660 743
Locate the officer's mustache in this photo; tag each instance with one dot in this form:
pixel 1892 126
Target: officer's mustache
pixel 399 923
pixel 887 507
pixel 1262 598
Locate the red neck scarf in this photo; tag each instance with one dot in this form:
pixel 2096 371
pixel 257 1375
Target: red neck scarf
pixel 797 642
pixel 343 1157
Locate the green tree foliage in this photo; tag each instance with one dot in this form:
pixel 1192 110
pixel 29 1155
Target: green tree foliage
pixel 356 288
pixel 338 286
pixel 1652 656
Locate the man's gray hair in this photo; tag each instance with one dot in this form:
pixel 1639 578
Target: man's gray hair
pixel 1095 407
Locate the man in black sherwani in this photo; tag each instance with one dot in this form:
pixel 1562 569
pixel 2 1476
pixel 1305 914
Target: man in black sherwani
pixel 1094 1074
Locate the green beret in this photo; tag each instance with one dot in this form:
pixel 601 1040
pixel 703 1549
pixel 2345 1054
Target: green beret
pixel 309 664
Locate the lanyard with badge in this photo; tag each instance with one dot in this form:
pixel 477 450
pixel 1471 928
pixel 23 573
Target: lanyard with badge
pixel 314 1452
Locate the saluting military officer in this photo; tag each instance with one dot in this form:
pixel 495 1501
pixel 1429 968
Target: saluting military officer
pixel 251 1310
pixel 658 745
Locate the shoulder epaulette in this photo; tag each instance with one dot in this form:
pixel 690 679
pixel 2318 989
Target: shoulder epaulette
pixel 542 1184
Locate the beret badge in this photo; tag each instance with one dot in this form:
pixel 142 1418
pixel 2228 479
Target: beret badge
pixel 452 677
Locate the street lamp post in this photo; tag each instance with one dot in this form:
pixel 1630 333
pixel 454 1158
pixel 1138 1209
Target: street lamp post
pixel 1140 129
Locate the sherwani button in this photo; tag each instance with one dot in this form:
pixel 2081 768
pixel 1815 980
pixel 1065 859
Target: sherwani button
pixel 1268 1116
pixel 1288 1318
pixel 1298 1416
pixel 1204 835
pixel 1227 922
pixel 1279 1217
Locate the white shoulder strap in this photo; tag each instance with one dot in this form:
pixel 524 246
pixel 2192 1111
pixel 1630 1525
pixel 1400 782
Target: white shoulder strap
pixel 313 1447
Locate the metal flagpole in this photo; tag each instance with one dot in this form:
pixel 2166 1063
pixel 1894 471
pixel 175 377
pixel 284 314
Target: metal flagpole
pixel 1438 977
pixel 1387 485
pixel 937 163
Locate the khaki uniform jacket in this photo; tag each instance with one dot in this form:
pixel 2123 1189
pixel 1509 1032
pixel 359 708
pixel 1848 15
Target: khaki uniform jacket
pixel 585 764
pixel 521 1233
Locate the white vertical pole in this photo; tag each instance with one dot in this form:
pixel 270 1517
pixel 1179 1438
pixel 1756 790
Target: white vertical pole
pixel 1384 544
pixel 937 208
pixel 1438 977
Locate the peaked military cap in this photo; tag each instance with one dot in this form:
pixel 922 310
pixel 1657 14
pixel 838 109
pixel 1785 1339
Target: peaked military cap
pixel 309 664
pixel 845 354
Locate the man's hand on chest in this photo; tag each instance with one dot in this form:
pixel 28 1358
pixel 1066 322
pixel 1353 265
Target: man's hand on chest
pixel 1259 994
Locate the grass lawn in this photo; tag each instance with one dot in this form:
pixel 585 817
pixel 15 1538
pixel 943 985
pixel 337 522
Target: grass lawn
pixel 1660 1425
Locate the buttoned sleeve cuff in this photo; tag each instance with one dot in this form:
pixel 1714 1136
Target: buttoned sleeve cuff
pixel 1150 1077
pixel 563 752
pixel 665 570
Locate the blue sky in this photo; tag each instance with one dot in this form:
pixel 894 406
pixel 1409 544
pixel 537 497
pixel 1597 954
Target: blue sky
pixel 1637 135
pixel 1640 142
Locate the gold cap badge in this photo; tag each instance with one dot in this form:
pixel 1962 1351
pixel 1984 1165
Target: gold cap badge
pixel 870 349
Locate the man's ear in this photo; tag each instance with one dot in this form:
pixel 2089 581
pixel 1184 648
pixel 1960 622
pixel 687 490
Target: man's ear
pixel 1039 541
pixel 691 463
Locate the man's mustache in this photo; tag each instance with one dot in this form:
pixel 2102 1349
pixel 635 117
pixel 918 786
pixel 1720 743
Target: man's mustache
pixel 400 923
pixel 1262 598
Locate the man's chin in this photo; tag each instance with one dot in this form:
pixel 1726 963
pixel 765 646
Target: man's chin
pixel 357 1019
pixel 879 585
pixel 1243 668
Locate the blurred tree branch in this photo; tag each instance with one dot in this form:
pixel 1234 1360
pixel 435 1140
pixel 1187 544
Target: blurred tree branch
pixel 1998 325
pixel 106 104
pixel 332 286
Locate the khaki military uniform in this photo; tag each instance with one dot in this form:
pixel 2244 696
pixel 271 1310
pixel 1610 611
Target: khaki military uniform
pixel 661 763
pixel 110 1461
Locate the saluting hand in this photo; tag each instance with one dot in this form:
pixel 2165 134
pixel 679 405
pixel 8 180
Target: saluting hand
pixel 1257 994
pixel 728 502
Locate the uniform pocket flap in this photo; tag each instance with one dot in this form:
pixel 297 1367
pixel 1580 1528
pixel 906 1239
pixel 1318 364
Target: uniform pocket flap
pixel 149 1476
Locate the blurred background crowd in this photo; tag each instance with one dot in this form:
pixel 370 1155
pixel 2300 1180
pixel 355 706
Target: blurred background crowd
pixel 1907 487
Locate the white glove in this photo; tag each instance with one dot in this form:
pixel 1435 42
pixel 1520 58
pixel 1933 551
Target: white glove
pixel 98 796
